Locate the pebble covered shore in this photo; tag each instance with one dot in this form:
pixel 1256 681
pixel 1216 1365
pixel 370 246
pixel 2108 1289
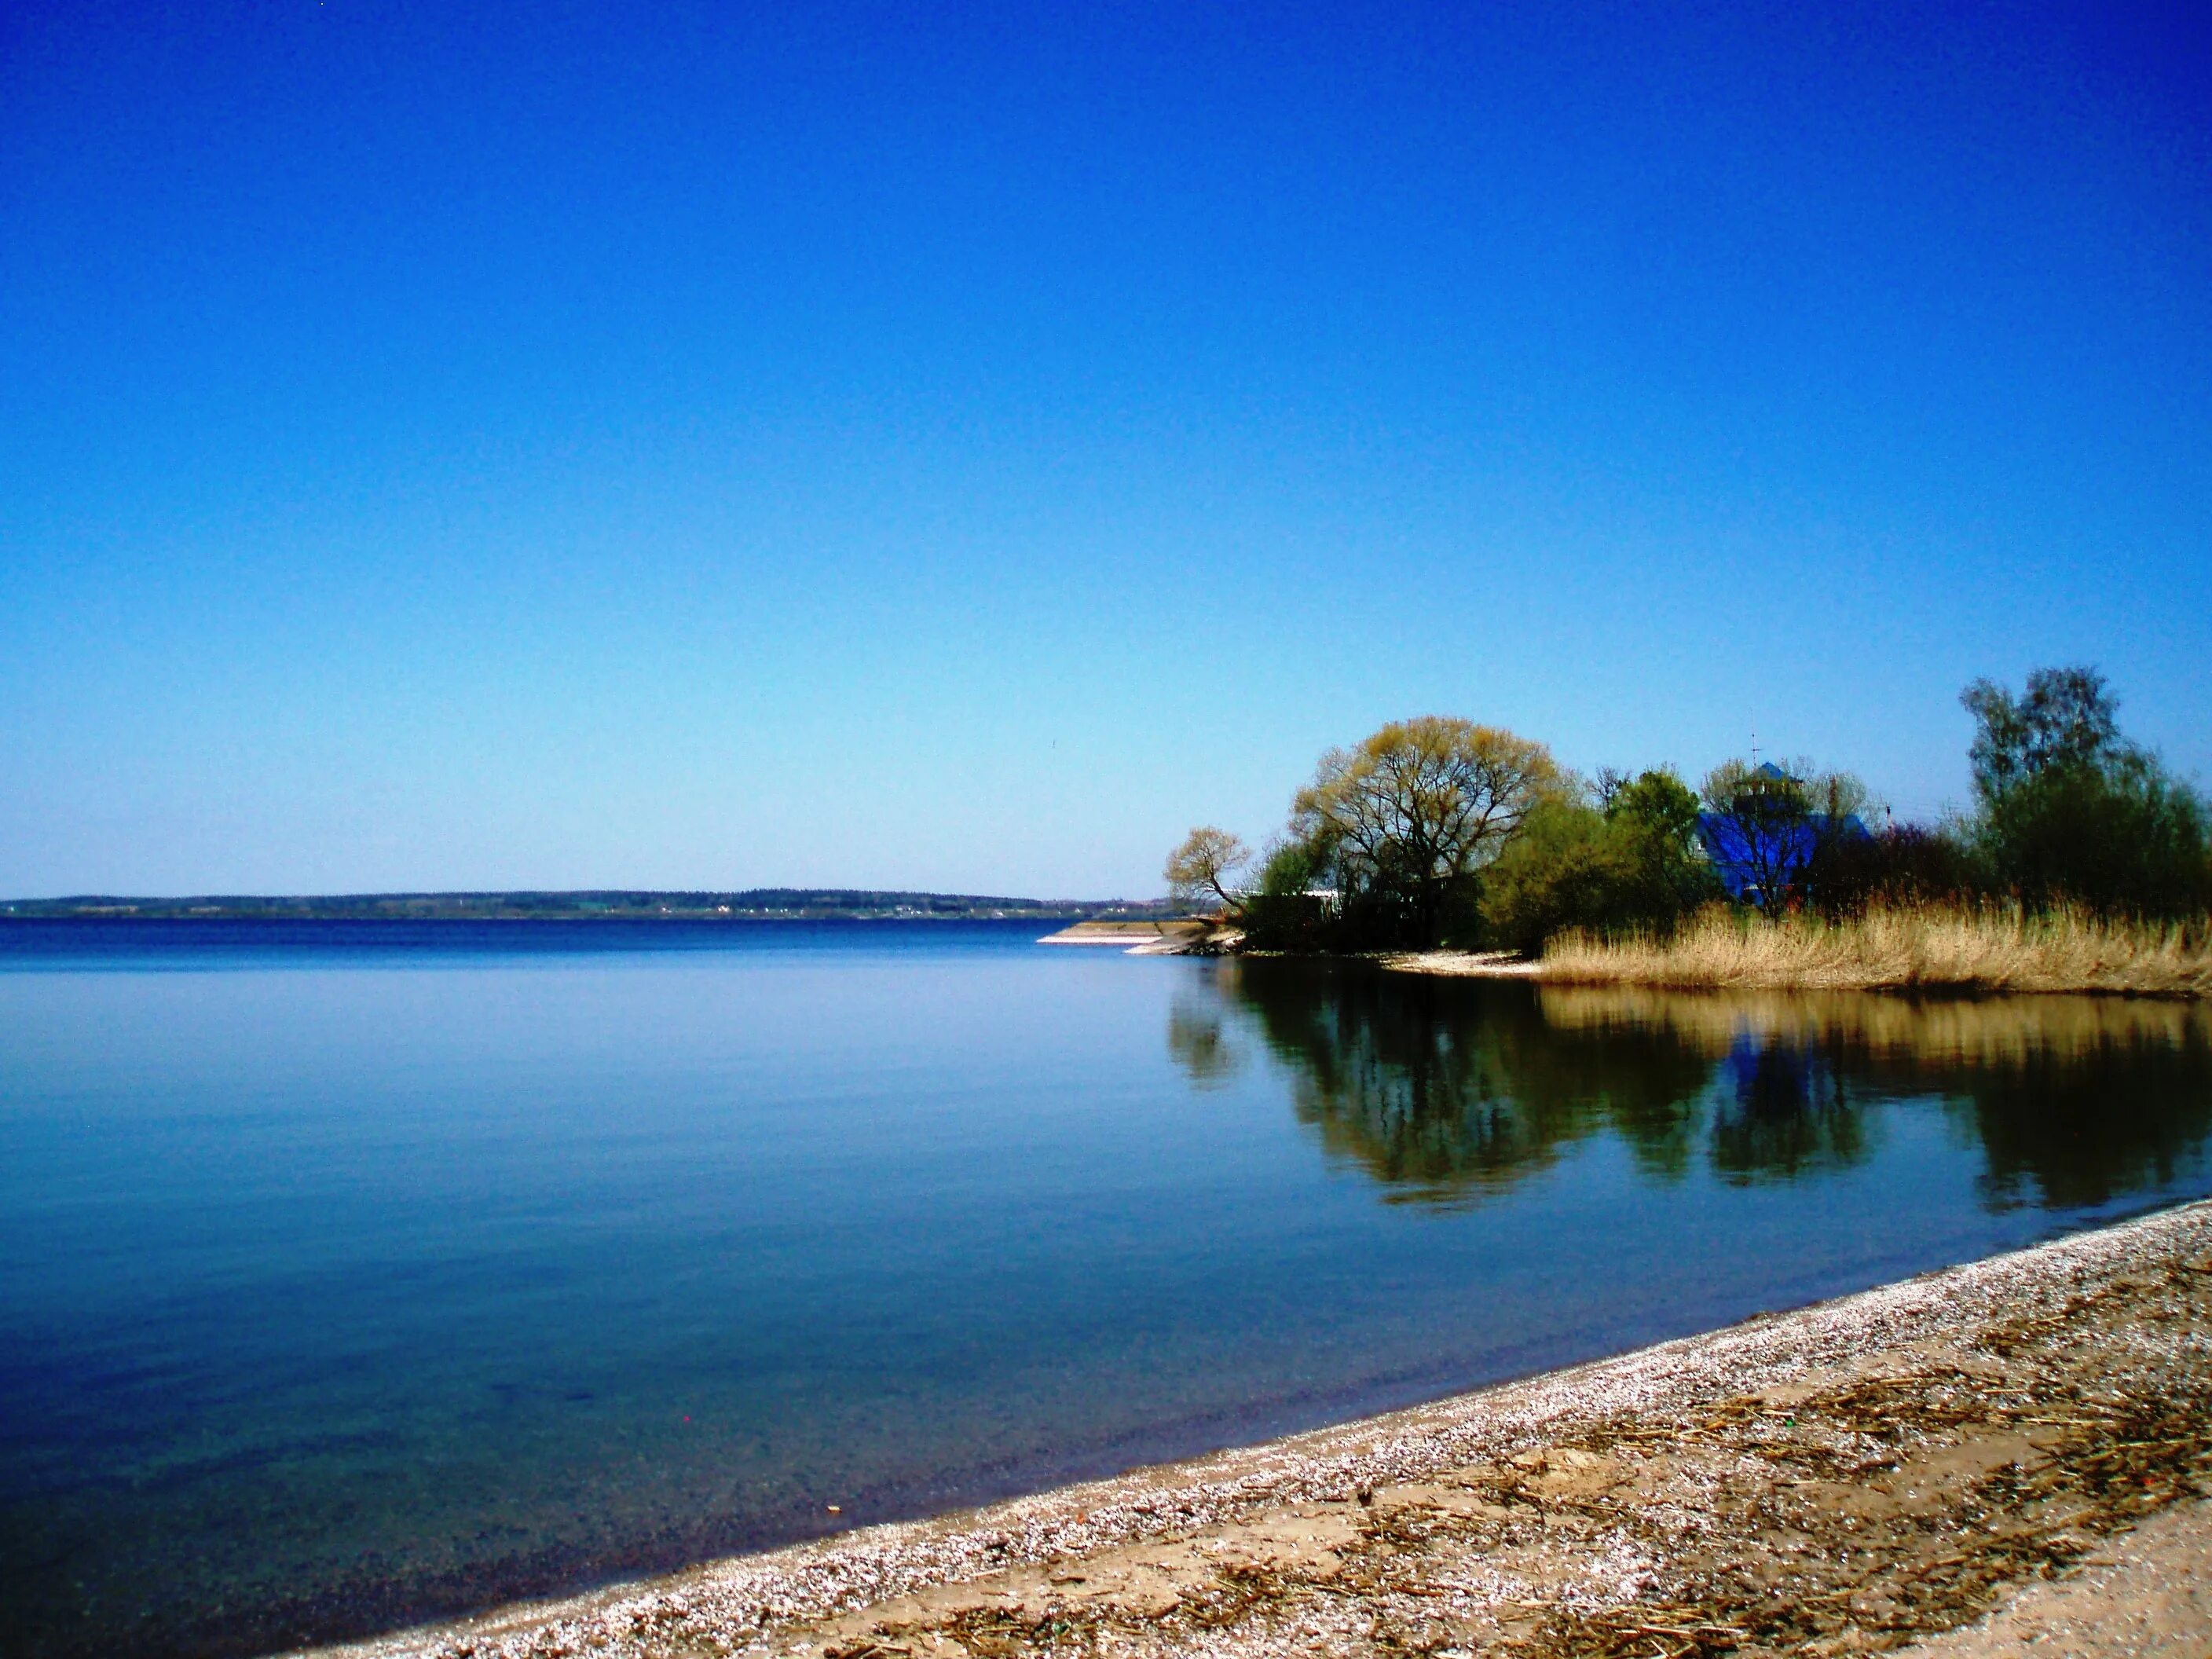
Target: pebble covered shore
pixel 1853 1477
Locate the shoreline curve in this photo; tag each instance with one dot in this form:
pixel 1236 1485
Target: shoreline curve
pixel 1536 1517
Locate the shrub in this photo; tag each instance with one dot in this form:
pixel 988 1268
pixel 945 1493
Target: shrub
pixel 1633 867
pixel 2121 839
pixel 1563 870
pixel 1284 911
pixel 1905 865
pixel 1658 815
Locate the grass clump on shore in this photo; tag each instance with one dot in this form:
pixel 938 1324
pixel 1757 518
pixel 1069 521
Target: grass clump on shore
pixel 1931 948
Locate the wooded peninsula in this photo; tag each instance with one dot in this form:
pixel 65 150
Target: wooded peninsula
pixel 2083 864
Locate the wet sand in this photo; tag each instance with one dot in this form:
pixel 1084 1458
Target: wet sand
pixel 1855 1477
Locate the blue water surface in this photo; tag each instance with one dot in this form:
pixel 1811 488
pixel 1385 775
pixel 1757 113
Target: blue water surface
pixel 356 1272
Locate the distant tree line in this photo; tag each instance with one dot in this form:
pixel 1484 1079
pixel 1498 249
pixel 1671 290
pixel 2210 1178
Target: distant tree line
pixel 749 904
pixel 1439 831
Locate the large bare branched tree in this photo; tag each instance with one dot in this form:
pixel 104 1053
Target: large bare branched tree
pixel 1412 813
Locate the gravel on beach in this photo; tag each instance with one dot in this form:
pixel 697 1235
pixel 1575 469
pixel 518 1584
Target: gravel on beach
pixel 1861 1476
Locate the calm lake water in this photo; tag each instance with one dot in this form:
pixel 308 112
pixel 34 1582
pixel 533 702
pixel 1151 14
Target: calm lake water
pixel 358 1272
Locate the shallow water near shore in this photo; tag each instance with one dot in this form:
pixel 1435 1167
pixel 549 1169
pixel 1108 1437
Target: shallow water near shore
pixel 352 1274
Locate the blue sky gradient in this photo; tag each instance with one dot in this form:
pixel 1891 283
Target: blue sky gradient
pixel 688 445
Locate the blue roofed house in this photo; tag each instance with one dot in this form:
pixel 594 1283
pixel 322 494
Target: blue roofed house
pixel 1762 846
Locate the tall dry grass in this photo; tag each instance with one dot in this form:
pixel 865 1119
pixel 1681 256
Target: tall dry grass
pixel 1930 949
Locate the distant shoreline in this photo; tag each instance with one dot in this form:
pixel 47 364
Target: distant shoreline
pixel 612 905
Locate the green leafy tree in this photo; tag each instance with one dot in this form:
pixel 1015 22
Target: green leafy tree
pixel 2067 810
pixel 1285 911
pixel 1292 867
pixel 2067 720
pixel 1657 812
pixel 1633 865
pixel 1903 865
pixel 1565 869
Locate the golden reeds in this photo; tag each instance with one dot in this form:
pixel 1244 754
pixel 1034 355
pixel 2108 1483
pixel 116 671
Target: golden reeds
pixel 1980 1032
pixel 2000 948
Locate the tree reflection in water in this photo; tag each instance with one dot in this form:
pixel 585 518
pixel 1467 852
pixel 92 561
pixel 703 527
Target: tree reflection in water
pixel 1780 1109
pixel 1444 1090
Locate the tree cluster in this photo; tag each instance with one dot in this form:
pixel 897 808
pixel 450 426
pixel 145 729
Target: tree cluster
pixel 2069 810
pixel 1624 856
pixel 1441 831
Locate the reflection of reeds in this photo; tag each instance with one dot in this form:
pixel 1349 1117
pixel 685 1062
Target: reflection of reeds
pixel 1999 1032
pixel 1997 949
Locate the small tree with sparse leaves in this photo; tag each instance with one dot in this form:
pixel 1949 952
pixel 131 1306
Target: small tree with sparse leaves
pixel 1198 872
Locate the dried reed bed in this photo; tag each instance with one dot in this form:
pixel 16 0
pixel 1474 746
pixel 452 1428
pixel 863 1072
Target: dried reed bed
pixel 1997 949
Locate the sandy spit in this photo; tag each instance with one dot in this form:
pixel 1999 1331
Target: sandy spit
pixel 1463 964
pixel 1853 1477
pixel 1165 938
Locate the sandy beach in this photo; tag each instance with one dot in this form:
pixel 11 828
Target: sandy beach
pixel 1176 936
pixel 1858 1476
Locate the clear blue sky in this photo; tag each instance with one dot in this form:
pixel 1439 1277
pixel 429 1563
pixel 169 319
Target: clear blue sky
pixel 963 447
